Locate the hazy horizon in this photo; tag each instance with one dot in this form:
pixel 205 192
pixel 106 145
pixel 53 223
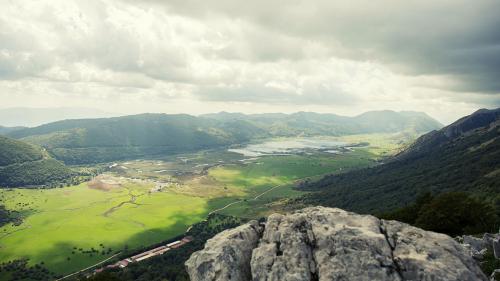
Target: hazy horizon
pixel 35 116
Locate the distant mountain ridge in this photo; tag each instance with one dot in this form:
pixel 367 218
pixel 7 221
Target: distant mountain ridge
pixel 464 156
pixel 371 121
pixel 82 141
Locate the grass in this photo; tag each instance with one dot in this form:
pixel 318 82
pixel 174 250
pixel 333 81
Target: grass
pixel 281 173
pixel 382 145
pixel 70 217
pixel 68 222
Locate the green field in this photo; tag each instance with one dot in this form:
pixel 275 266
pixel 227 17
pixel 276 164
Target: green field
pixel 60 219
pixel 281 174
pixel 122 209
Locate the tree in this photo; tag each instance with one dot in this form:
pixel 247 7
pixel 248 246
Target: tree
pixel 456 213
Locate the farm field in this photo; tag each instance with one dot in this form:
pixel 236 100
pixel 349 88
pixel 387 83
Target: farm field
pixel 273 178
pixel 142 202
pixel 60 220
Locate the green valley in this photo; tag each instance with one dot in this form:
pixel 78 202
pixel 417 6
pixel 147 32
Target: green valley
pixel 249 140
pixel 90 141
pixel 137 203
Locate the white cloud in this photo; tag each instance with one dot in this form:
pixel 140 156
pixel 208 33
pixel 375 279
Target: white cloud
pixel 187 56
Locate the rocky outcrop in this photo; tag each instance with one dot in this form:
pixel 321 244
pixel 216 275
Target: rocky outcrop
pixel 477 247
pixel 227 255
pixel 331 244
pixel 483 249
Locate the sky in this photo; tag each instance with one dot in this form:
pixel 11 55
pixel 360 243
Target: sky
pixel 183 56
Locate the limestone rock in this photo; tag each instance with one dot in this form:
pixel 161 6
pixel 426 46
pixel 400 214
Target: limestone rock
pixel 227 255
pixel 475 247
pixel 475 243
pixel 496 247
pixel 331 244
pixel 425 255
pixel 495 275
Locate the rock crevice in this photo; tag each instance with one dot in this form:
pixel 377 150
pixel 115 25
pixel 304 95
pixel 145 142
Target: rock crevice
pixel 392 245
pixel 331 244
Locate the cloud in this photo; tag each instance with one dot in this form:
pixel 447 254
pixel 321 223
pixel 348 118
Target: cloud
pixel 448 37
pixel 282 55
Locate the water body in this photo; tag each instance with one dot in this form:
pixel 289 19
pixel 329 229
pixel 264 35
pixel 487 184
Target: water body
pixel 288 146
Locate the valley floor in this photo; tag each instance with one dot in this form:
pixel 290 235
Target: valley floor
pixel 142 202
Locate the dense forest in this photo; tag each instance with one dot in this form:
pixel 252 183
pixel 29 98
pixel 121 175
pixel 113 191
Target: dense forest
pixel 26 165
pixel 468 161
pixel 452 213
pixel 16 152
pixel 46 172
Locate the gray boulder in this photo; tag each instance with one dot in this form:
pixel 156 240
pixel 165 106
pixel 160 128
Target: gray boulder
pixel 227 255
pixel 331 244
pixel 476 247
pixel 496 247
pixel 495 275
pixel 475 243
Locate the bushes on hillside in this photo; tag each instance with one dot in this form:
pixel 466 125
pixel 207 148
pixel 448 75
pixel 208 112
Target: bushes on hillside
pixel 452 213
pixel 47 172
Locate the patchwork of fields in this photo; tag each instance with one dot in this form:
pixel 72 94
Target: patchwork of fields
pixel 142 202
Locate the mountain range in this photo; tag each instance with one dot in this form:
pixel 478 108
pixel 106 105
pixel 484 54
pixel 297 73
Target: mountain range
pixel 83 141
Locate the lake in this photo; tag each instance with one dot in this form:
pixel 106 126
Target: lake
pixel 288 146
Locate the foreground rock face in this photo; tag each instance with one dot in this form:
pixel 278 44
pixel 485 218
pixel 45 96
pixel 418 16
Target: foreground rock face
pixel 227 255
pixel 331 244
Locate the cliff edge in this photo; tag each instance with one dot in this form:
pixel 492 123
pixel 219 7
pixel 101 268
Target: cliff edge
pixel 331 244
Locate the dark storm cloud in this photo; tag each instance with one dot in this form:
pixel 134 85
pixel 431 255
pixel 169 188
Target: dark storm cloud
pixel 458 38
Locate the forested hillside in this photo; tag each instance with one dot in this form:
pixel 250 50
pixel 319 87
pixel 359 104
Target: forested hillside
pixel 311 123
pixel 106 139
pixel 23 164
pixel 15 152
pixel 464 156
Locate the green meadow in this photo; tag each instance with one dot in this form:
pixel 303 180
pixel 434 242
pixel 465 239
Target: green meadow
pixel 70 228
pixel 59 220
pixel 273 178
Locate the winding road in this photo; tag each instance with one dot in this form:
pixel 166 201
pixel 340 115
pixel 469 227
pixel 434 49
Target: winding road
pixel 255 198
pixel 87 268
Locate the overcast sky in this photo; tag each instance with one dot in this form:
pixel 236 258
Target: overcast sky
pixel 346 57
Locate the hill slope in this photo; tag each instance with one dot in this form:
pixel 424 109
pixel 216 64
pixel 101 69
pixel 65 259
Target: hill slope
pixel 107 139
pixel 310 123
pixel 14 152
pixel 464 156
pixel 7 130
pixel 23 164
